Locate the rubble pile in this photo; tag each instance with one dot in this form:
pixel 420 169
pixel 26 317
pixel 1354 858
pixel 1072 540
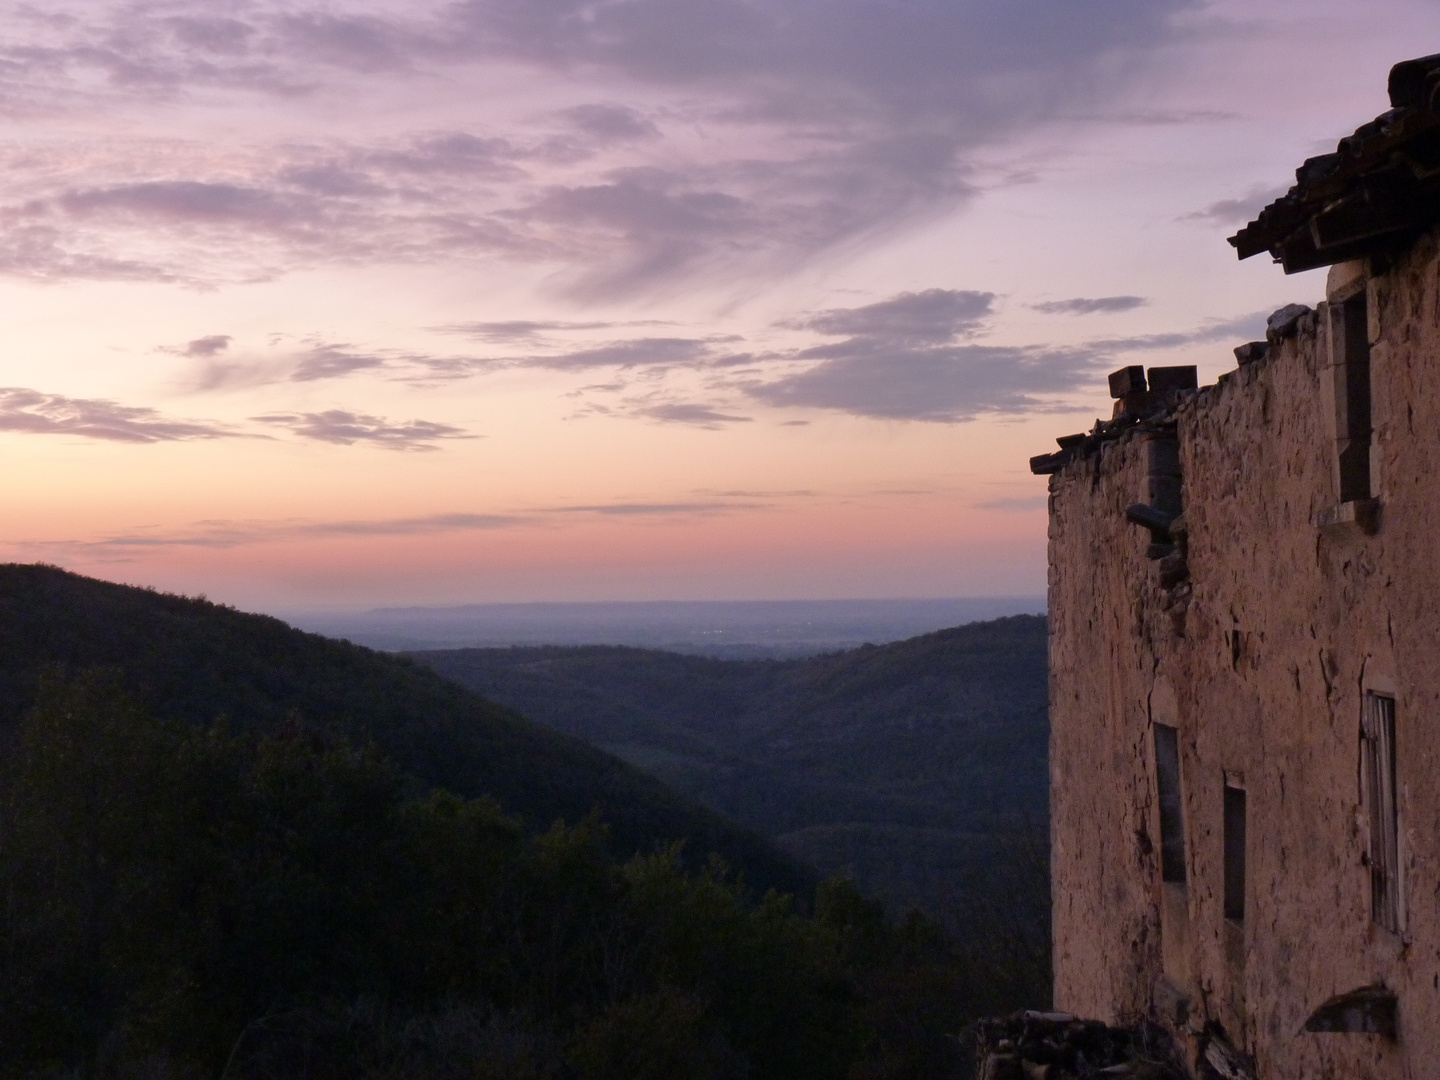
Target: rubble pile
pixel 1057 1046
pixel 1146 401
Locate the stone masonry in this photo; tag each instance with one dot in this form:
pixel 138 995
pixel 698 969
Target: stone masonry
pixel 1245 674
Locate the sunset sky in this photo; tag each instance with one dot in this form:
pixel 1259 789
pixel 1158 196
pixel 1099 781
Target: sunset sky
pixel 328 306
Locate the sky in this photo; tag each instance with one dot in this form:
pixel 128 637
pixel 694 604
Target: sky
pixel 333 306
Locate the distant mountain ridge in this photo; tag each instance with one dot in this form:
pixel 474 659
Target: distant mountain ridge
pixel 194 661
pixel 731 629
pixel 934 747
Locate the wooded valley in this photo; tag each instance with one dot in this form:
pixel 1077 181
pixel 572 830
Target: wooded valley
pixel 232 849
pixel 916 768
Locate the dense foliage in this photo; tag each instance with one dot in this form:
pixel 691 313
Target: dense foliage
pixel 916 767
pixel 183 900
pixel 190 661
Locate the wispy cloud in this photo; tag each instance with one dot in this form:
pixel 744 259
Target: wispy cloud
pixel 212 345
pixel 1241 328
pixel 333 361
pixel 528 330
pixel 1240 209
pixel 519 330
pixel 906 359
pixel 929 317
pixel 911 356
pixel 653 509
pixel 639 352
pixel 223 534
pixel 1084 305
pixel 903 360
pixel 653 354
pixel 818 123
pixel 188 202
pixel 1156 117
pixel 742 493
pixel 947 384
pixel 659 406
pixel 610 122
pixel 34 413
pixel 346 428
pixel 1016 505
pixel 271 210
pixel 221 368
pixel 694 415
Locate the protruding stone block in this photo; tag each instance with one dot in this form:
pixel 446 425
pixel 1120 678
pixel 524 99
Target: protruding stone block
pixel 1045 464
pixel 1137 403
pixel 1282 324
pixel 1157 521
pixel 1165 379
pixel 1251 352
pixel 1128 380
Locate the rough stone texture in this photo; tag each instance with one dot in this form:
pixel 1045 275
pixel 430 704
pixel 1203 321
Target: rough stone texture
pixel 1263 673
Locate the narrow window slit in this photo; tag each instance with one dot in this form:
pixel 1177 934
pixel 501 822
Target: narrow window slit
pixel 1352 398
pixel 1172 821
pixel 1234 853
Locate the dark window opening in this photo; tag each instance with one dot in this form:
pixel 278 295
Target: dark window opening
pixel 1352 398
pixel 1234 853
pixel 1172 821
pixel 1377 741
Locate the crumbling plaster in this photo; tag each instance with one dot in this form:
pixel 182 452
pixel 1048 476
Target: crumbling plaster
pixel 1262 673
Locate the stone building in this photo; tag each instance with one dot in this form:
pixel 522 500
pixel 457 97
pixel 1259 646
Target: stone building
pixel 1245 653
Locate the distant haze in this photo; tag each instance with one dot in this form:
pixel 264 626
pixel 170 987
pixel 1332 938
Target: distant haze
pixel 742 628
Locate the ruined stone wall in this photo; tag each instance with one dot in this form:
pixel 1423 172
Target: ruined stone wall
pixel 1261 668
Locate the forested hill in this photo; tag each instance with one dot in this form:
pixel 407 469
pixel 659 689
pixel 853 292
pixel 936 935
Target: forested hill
pixel 193 661
pixel 904 764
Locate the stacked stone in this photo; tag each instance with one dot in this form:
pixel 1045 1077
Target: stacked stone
pixel 1141 402
pixel 1057 1046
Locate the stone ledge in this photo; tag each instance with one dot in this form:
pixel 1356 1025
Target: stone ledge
pixel 1362 514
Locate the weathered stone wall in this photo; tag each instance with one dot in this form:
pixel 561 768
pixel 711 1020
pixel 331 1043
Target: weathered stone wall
pixel 1288 622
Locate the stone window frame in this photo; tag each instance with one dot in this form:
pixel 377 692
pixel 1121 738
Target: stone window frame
pixel 1351 333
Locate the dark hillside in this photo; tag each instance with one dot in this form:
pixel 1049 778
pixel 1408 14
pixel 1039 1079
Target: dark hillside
pixel 910 765
pixel 944 730
pixel 187 902
pixel 193 661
